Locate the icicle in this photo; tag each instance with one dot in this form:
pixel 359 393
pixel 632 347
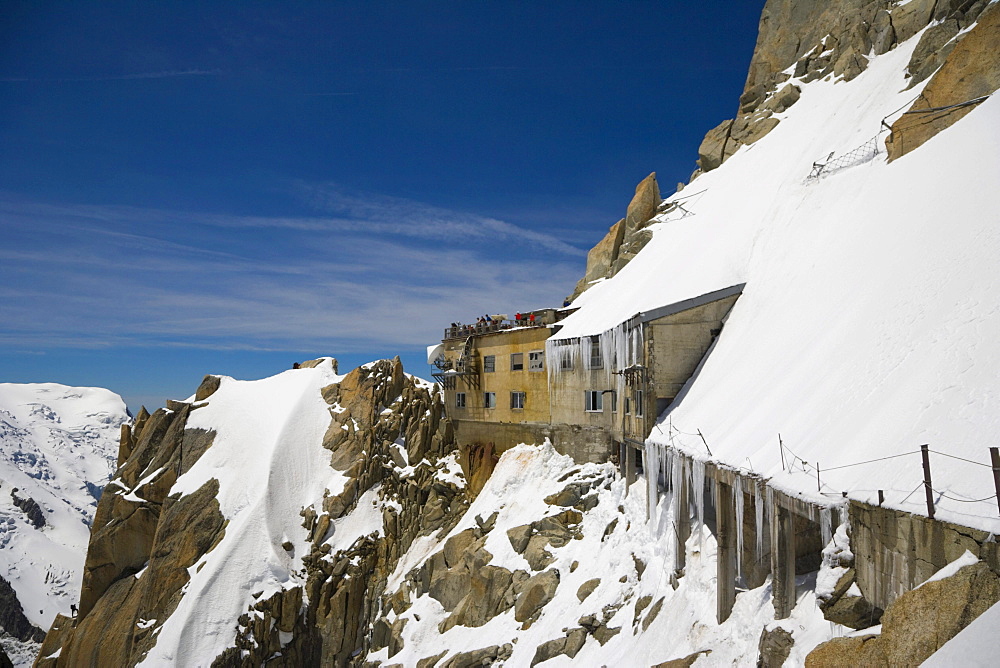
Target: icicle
pixel 698 492
pixel 758 503
pixel 652 467
pixel 738 493
pixel 826 525
pixel 682 509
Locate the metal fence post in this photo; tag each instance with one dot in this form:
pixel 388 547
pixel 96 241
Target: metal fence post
pixel 928 490
pixel 995 456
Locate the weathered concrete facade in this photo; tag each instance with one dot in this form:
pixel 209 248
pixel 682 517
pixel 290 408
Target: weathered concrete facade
pixel 506 361
pixel 582 443
pixel 676 345
pixel 895 551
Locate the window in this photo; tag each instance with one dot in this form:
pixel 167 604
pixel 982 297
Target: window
pixel 489 363
pixel 536 360
pixel 566 362
pixel 614 401
pixel 517 361
pixel 638 403
pixel 489 399
pixel 593 401
pixel 460 400
pixel 628 406
pixel 596 360
pixel 517 400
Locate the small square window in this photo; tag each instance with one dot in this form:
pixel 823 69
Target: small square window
pixel 460 400
pixel 596 359
pixel 517 400
pixel 593 401
pixel 489 363
pixel 489 399
pixel 517 361
pixel 566 362
pixel 536 360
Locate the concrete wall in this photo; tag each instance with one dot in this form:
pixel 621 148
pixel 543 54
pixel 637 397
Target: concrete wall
pixel 895 551
pixel 583 444
pixel 567 399
pixel 501 345
pixel 676 344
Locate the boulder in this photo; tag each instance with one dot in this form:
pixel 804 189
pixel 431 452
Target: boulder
pixel 587 588
pixel 881 33
pixel 536 592
pixel 601 257
pixel 643 204
pixel 774 647
pixel 711 153
pixel 486 656
pixel 685 662
pixel 918 623
pixel 569 646
pixel 209 385
pixel 784 98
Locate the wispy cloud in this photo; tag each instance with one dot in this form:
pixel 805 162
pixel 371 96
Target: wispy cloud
pixel 384 272
pixel 165 74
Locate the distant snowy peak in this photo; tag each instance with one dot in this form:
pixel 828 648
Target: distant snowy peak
pixel 58 448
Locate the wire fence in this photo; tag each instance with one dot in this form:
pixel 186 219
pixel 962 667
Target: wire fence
pixel 790 462
pixel 858 156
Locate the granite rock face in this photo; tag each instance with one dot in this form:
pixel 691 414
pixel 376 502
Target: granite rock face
pixel 140 526
pixel 970 70
pixel 625 238
pixel 918 623
pixel 814 39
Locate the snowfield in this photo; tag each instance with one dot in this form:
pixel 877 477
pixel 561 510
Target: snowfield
pixel 871 313
pixel 58 446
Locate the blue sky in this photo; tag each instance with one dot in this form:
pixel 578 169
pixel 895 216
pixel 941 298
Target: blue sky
pixel 191 188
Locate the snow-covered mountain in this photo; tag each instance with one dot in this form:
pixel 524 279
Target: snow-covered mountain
pixel 58 448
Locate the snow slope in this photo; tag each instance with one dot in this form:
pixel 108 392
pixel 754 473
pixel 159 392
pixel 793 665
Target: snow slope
pixel 58 445
pixel 871 314
pixel 268 458
pixel 684 622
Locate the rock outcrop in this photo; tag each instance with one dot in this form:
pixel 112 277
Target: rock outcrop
pixel 12 619
pixel 969 69
pixel 918 623
pixel 811 40
pixel 624 239
pixel 140 526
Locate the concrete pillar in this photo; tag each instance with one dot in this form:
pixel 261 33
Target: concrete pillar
pixel 725 580
pixel 782 561
pixel 629 466
pixel 682 526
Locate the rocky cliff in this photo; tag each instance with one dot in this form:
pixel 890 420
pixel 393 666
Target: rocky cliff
pixel 803 40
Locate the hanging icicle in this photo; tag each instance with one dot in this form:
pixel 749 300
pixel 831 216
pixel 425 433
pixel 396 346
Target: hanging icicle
pixel 738 493
pixel 758 503
pixel 698 493
pixel 826 525
pixel 652 468
pixel 681 502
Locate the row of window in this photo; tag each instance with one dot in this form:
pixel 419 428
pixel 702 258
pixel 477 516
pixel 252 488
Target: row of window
pixel 593 401
pixel 535 361
pixel 490 400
